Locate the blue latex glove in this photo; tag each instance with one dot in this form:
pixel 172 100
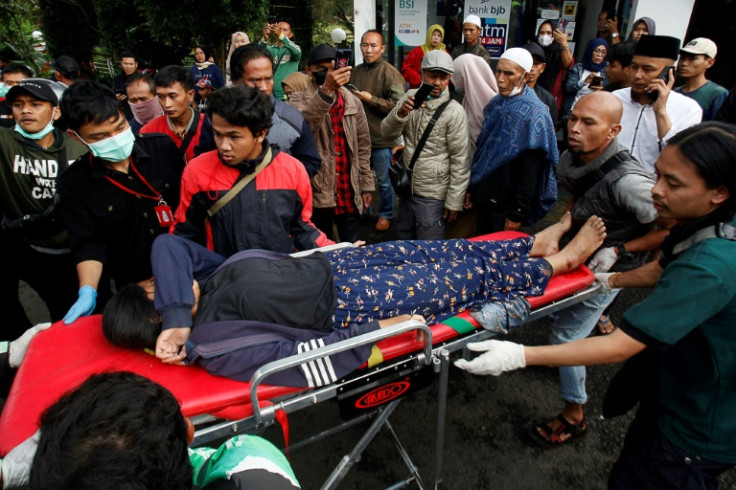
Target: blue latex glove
pixel 84 306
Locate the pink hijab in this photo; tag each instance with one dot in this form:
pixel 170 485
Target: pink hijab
pixel 475 79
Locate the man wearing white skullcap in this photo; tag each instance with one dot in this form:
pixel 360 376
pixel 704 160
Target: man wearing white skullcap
pixel 472 29
pixel 513 178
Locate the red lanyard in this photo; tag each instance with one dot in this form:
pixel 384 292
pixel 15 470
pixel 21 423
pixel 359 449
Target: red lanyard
pixel 157 197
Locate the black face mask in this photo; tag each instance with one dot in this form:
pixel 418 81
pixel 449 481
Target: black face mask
pixel 320 76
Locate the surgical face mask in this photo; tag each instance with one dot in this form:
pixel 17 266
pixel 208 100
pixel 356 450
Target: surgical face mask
pixel 114 149
pixel 4 89
pixel 545 40
pixel 37 136
pixel 320 76
pixel 518 89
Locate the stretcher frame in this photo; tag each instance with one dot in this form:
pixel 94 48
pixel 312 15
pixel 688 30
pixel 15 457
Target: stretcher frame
pixel 425 356
pixel 435 357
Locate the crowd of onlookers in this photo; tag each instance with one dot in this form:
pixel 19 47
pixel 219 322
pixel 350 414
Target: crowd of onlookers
pixel 266 156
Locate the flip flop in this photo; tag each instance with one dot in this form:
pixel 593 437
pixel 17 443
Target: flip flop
pixel 554 438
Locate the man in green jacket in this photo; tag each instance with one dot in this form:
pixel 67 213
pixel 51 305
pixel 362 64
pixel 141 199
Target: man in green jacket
pixel 285 53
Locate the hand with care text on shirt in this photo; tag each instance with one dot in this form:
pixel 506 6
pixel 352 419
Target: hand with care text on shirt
pixel 498 357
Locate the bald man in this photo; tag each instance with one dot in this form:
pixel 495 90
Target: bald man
pixel 605 180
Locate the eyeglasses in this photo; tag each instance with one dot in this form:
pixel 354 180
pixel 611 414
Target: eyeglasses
pixel 600 51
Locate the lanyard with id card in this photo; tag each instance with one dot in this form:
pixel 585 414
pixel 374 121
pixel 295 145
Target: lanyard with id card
pixel 163 211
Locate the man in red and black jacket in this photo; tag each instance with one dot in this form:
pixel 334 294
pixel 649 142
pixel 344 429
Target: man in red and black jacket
pixel 273 211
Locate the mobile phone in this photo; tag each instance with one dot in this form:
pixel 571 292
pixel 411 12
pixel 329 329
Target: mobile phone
pixel 663 75
pixel 343 57
pixel 271 19
pixel 352 87
pixel 596 81
pixel 421 95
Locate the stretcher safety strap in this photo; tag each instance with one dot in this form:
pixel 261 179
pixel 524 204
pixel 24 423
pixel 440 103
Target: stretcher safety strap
pixel 462 323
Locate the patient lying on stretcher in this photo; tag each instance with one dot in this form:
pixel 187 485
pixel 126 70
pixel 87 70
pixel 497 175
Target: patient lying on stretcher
pixel 257 306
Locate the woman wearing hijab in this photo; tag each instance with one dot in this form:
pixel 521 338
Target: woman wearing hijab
pixel 557 56
pixel 412 67
pixel 642 27
pixel 238 39
pixel 474 78
pixel 588 75
pixel 204 68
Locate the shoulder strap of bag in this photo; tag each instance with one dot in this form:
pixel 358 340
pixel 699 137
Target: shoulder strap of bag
pixel 425 135
pixel 589 180
pixel 239 186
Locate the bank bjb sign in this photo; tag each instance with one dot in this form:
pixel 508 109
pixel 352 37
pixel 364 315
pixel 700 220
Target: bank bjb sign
pixel 494 18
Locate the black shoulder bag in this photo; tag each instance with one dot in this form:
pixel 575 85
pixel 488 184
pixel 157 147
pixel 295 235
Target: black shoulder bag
pixel 400 175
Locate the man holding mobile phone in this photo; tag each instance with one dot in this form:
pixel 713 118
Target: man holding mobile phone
pixel 441 169
pixel 653 112
pixel 285 52
pixel 381 86
pixel 343 187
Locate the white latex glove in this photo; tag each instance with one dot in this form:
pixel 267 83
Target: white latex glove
pixel 17 348
pixel 602 279
pixel 500 356
pixel 16 468
pixel 603 260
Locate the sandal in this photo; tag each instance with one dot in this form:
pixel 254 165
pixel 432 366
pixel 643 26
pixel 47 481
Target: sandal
pixel 605 325
pixel 553 438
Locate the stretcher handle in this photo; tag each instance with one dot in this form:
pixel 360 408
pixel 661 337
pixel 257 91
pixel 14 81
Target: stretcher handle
pixel 367 338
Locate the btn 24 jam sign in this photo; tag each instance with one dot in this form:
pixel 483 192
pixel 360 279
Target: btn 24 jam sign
pixel 494 18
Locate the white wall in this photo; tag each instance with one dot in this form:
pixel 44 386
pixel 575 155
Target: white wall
pixel 364 20
pixel 671 16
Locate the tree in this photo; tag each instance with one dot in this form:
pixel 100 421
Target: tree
pixel 20 19
pixel 70 28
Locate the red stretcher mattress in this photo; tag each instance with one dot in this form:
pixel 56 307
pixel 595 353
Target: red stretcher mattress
pixel 62 357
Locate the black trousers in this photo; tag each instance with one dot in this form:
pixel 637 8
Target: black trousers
pixel 348 225
pixel 53 277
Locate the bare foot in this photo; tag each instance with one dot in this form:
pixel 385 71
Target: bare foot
pixel 605 325
pixel 547 241
pixel 582 246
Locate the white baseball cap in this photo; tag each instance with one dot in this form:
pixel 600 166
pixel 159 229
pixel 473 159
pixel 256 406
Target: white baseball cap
pixel 701 45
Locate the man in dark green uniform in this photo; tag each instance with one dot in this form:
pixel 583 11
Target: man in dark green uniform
pixel 688 319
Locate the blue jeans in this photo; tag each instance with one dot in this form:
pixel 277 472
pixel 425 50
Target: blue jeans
pixel 381 161
pixel 574 323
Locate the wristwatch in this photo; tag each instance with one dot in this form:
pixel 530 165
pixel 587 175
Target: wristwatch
pixel 620 250
pixel 614 35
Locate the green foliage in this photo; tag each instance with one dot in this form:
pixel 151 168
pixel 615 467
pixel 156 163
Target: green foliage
pixel 20 19
pixel 160 32
pixel 331 14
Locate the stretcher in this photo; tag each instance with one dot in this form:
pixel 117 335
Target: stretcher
pixel 61 358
